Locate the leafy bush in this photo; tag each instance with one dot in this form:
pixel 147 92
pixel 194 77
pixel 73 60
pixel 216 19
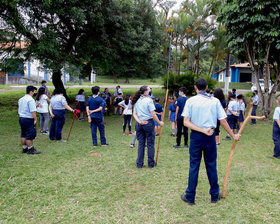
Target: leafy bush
pixel 187 80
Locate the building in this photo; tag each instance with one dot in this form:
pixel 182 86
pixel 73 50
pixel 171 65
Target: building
pixel 238 73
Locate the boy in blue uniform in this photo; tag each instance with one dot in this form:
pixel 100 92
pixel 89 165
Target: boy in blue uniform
pixel 232 114
pixel 27 120
pixel 94 112
pixel 200 114
pixel 255 100
pixel 180 104
pixel 158 111
pixel 276 130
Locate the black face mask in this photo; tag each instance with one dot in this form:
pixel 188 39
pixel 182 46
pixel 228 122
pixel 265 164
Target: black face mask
pixel 35 94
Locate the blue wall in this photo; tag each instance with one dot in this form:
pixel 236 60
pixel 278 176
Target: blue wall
pixel 234 74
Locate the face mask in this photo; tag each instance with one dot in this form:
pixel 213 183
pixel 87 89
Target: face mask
pixel 180 94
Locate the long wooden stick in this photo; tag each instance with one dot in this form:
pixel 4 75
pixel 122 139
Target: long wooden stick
pixel 71 127
pixel 233 148
pixel 162 119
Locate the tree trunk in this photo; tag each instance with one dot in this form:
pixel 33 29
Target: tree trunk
pixel 126 80
pixel 115 77
pixel 210 68
pixel 176 60
pixel 57 82
pixel 227 76
pixel 198 55
pixel 181 49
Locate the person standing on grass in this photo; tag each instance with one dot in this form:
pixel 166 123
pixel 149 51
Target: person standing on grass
pixel 144 113
pixel 241 110
pixel 159 112
pixel 232 114
pixel 180 104
pixel 118 99
pixel 42 102
pixel 200 114
pixel 126 104
pixel 221 97
pixel 44 85
pixel 94 111
pixel 80 99
pixel 57 107
pixel 108 100
pixel 28 120
pixel 276 130
pixel 172 116
pixel 255 100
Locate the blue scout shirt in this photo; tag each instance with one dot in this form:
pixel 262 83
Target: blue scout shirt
pixel 57 102
pixel 26 105
pixel 143 107
pixel 255 100
pixel 181 104
pixel 204 111
pixel 233 106
pixel 93 103
pixel 158 108
pixel 276 115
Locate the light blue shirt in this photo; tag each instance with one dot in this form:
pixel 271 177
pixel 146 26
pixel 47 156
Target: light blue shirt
pixel 255 100
pixel 143 107
pixel 26 105
pixel 204 111
pixel 241 106
pixel 276 115
pixel 233 106
pixel 58 101
pixel 80 98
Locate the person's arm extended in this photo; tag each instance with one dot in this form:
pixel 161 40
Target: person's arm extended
pixel 189 124
pixel 169 114
pixel 137 119
pixel 68 108
pixel 177 109
pixel 34 116
pixel 88 114
pixel 51 113
pixel 234 114
pixel 278 122
pixel 225 125
pixel 94 111
pixel 153 113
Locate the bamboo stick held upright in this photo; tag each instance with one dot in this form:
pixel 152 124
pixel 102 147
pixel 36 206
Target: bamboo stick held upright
pixel 233 148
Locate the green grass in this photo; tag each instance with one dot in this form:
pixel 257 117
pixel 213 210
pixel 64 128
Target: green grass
pixel 235 85
pixel 75 183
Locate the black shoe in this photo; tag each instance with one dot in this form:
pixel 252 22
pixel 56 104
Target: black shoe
pixel 33 151
pixel 176 146
pixel 216 200
pixel 184 199
pixel 274 157
pixel 94 145
pixel 186 146
pixel 105 144
pixel 227 138
pixel 25 150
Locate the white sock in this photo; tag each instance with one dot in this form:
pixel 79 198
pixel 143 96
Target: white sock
pixel 24 146
pixel 30 147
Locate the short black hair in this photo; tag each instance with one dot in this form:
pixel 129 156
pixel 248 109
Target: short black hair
pixel 183 89
pixel 157 99
pixel 240 96
pixel 256 91
pixel 201 84
pixel 30 89
pixel 234 90
pixel 58 90
pixel 95 90
pixel 232 96
pixel 43 81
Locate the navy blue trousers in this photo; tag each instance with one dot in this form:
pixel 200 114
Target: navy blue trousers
pixel 143 133
pixel 276 139
pixel 255 107
pixel 207 144
pixel 57 124
pixel 97 122
pixel 180 126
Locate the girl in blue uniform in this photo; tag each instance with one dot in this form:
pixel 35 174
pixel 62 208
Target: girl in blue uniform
pixel 276 130
pixel 80 98
pixel 172 116
pixel 158 111
pixel 57 108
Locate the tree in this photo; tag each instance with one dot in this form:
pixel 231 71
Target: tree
pixel 253 28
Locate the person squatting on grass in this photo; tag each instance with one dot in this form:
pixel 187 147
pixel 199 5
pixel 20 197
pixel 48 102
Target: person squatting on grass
pixel 200 114
pixel 42 102
pixel 80 99
pixel 94 111
pixel 126 104
pixel 144 113
pixel 57 107
pixel 276 130
pixel 28 120
pixel 221 97
pixel 159 112
pixel 180 103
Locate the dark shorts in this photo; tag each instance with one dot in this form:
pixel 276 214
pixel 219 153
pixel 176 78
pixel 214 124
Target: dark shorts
pixel 240 117
pixel 232 121
pixel 28 129
pixel 81 106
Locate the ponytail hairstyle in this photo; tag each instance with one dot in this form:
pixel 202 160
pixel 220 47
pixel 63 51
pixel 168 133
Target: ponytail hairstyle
pixel 41 91
pixel 138 94
pixel 126 100
pixel 81 91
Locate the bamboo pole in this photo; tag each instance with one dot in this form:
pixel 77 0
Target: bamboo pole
pixel 234 145
pixel 162 119
pixel 71 127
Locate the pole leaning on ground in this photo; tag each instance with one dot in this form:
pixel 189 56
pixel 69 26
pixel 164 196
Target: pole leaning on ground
pixel 234 145
pixel 166 95
pixel 71 127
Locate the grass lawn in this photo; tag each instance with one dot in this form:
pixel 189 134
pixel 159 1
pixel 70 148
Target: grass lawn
pixel 75 183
